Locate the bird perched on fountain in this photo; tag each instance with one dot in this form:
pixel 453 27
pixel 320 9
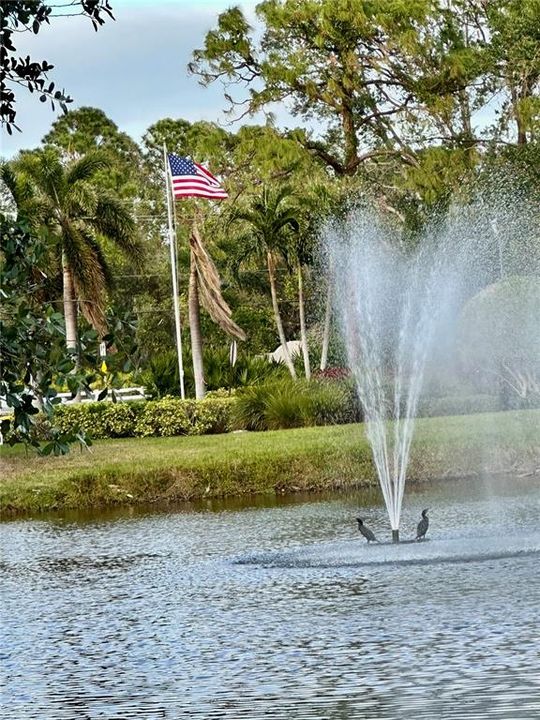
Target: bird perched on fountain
pixel 365 531
pixel 422 527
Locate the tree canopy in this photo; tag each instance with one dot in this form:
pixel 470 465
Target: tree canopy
pixel 382 78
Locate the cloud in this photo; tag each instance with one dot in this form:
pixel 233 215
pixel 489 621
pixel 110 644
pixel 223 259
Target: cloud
pixel 134 69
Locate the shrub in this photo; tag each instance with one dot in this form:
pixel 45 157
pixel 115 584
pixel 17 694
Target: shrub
pixel 289 404
pixel 211 415
pixel 161 374
pixel 333 403
pixel 273 405
pixel 170 416
pixel 99 419
pixel 249 409
pixel 165 417
pixel 499 338
pixel 332 373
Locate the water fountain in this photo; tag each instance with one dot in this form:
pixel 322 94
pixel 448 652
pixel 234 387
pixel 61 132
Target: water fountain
pixel 397 305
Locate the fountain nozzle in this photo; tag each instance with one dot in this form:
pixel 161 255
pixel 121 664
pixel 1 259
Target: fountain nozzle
pixel 395 536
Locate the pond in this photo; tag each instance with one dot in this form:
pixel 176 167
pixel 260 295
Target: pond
pixel 276 608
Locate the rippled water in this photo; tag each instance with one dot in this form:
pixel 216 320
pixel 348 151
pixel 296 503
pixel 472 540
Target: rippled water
pixel 278 611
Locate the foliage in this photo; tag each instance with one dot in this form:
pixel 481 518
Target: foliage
pixel 161 376
pixel 87 130
pixel 77 215
pixel 334 403
pixel 284 409
pixel 396 89
pixel 319 56
pixel 170 416
pixel 250 408
pixel 158 418
pixel 333 373
pixel 379 76
pixel 288 404
pixel 32 339
pixel 16 17
pixel 99 420
pixel 513 54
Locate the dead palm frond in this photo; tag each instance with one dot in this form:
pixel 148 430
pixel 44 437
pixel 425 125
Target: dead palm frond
pixel 209 286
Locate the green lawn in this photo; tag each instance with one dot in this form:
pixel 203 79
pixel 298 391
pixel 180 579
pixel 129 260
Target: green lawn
pixel 159 469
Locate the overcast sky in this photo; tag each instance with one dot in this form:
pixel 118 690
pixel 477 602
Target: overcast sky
pixel 134 69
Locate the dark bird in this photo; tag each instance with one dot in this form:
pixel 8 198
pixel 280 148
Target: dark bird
pixel 366 532
pixel 423 525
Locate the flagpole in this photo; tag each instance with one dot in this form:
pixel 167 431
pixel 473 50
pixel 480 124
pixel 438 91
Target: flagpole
pixel 172 247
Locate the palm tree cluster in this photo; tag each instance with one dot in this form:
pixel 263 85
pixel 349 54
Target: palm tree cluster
pixel 65 199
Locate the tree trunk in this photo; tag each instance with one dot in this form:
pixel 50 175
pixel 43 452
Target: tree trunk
pixel 70 308
pixel 520 125
pixel 326 331
pixel 303 335
pixel 195 330
pixel 277 316
pixel 351 142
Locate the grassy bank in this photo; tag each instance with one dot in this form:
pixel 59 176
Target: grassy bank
pixel 159 469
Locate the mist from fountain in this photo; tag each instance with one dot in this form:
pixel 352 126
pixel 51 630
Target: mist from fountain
pixel 397 305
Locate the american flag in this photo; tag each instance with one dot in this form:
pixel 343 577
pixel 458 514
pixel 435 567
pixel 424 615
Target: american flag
pixel 189 179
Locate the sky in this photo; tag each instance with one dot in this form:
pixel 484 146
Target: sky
pixel 134 69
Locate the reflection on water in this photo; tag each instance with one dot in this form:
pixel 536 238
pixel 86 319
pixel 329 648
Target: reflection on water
pixel 172 615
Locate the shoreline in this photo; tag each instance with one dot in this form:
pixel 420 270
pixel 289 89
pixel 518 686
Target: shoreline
pixel 138 471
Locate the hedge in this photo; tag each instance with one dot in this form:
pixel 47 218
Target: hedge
pixel 155 418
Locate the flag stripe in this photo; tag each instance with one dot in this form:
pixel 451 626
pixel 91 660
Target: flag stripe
pixel 203 194
pixel 187 187
pixel 186 192
pixel 193 181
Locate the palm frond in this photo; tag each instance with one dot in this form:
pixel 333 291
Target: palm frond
pixel 89 275
pixel 87 167
pixel 115 222
pixel 81 200
pixel 21 190
pixel 44 168
pixel 101 260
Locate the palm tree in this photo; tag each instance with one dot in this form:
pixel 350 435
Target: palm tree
pixel 271 220
pixel 320 200
pixel 301 252
pixel 77 214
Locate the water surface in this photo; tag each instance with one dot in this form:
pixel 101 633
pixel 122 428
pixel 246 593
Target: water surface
pixel 278 610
